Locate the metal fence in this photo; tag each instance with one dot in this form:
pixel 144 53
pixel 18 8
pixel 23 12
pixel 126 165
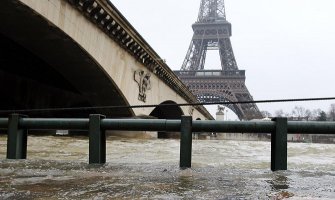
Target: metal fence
pixel 17 127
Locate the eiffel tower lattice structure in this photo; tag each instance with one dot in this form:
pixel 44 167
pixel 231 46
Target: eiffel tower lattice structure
pixel 212 32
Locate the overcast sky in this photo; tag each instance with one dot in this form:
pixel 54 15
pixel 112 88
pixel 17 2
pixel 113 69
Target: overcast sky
pixel 287 47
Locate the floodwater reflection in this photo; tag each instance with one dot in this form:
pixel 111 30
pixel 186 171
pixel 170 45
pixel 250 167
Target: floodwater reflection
pixel 279 182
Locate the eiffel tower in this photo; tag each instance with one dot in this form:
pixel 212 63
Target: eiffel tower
pixel 212 32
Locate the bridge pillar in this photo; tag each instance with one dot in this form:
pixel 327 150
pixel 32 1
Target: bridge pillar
pixel 16 138
pixel 279 145
pixel 185 142
pixel 97 140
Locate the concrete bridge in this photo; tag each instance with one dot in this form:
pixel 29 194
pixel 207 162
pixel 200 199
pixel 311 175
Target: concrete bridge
pixel 83 53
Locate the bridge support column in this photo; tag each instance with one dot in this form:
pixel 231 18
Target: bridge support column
pixel 279 145
pixel 16 138
pixel 185 142
pixel 97 140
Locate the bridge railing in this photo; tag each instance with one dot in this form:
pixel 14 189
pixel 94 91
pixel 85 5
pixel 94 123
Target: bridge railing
pixel 17 127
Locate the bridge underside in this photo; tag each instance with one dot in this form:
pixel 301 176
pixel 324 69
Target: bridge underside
pixel 41 67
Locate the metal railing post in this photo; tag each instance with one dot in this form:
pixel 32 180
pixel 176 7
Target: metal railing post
pixel 16 138
pixel 185 142
pixel 97 140
pixel 279 145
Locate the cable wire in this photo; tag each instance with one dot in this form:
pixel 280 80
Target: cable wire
pixel 163 105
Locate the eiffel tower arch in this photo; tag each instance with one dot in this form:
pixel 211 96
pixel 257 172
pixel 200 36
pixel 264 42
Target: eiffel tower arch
pixel 212 31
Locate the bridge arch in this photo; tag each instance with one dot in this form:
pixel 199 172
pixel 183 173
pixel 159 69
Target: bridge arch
pixel 243 111
pixel 43 67
pixel 167 110
pixel 221 96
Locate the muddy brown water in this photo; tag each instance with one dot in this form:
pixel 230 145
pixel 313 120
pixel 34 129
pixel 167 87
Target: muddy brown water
pixel 57 168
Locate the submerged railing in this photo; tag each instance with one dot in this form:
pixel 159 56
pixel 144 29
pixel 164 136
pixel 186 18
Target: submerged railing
pixel 17 127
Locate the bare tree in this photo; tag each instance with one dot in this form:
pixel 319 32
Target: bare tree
pixel 301 113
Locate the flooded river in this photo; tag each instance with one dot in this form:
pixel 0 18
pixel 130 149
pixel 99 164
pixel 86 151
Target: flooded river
pixel 57 168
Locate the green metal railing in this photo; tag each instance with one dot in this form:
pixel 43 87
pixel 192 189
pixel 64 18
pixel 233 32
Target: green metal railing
pixel 17 127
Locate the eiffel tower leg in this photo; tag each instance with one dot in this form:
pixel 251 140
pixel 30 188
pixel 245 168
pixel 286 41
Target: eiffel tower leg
pixel 227 57
pixel 248 111
pixel 195 57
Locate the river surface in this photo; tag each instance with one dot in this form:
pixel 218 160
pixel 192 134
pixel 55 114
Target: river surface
pixel 57 168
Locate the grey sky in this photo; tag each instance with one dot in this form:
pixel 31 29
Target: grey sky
pixel 287 47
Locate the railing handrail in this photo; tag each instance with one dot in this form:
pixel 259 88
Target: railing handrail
pixel 303 127
pixel 17 130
